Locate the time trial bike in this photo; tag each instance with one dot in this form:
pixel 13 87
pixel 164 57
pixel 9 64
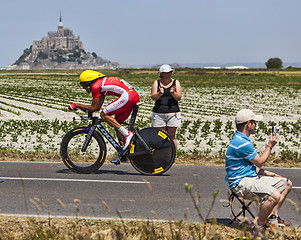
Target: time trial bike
pixel 83 149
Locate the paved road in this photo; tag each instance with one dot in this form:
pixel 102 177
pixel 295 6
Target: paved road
pixel 34 189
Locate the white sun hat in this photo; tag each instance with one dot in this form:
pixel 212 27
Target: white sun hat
pixel 245 115
pixel 165 68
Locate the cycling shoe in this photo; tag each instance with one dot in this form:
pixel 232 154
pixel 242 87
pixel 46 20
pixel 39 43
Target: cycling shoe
pixel 116 161
pixel 127 140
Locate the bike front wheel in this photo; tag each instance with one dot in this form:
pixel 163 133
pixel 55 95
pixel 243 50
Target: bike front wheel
pixel 162 156
pixel 83 162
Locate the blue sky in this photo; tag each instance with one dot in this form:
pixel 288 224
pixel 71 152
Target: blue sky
pixel 160 31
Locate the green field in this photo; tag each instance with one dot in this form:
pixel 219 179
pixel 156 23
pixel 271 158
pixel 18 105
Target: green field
pixel 210 101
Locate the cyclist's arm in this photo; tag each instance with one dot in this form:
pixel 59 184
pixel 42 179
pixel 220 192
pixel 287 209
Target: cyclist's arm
pixel 95 105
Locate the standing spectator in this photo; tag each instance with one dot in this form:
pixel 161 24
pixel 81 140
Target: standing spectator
pixel 166 91
pixel 245 174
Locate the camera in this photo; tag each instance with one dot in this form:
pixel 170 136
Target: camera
pixel 274 130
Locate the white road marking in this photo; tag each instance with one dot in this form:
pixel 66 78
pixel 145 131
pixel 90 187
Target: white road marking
pixel 70 180
pixel 296 187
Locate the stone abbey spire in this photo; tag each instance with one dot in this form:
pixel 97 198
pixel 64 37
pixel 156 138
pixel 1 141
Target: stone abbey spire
pixel 61 19
pixel 60 28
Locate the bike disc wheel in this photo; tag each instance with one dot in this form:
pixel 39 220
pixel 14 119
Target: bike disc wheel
pixel 163 152
pixel 83 162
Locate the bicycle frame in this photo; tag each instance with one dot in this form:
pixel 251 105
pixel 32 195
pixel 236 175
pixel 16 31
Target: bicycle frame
pixel 151 151
pixel 96 123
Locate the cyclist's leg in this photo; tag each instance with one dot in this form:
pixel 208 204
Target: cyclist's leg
pixel 125 109
pixel 117 126
pixel 121 108
pixel 122 113
pixel 110 120
pixel 121 132
pixel 127 135
pixel 111 109
pixel 120 138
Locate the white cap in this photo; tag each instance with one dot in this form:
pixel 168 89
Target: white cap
pixel 245 115
pixel 165 68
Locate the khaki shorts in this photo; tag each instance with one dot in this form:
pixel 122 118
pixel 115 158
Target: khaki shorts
pixel 259 186
pixel 166 119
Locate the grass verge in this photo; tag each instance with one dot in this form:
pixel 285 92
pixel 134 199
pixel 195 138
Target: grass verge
pixel 56 228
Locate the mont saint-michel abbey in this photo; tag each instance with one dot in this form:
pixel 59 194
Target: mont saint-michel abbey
pixel 60 49
pixel 63 39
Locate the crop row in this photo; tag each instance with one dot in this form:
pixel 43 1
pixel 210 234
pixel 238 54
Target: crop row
pixel 195 137
pixel 198 100
pixel 205 137
pixel 208 107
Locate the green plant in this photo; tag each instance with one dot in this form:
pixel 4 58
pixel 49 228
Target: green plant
pixel 274 63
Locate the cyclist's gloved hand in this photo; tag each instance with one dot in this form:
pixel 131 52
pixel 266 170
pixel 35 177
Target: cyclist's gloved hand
pixel 72 107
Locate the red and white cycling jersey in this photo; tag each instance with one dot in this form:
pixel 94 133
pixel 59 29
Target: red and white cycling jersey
pixel 110 86
pixel 127 96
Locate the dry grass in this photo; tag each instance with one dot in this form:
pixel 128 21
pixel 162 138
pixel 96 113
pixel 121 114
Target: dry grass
pixel 29 157
pixel 55 228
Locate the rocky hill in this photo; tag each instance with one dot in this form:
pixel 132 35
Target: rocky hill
pixel 60 49
pixel 62 59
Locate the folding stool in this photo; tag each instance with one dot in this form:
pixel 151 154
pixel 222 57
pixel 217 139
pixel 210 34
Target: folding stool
pixel 245 204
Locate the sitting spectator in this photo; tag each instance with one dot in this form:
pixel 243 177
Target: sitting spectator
pixel 244 170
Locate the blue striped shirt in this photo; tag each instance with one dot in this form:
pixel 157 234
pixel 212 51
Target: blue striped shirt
pixel 239 153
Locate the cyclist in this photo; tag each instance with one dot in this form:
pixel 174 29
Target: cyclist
pixel 100 86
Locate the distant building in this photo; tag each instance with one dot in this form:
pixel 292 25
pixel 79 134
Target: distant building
pixel 63 39
pixel 60 49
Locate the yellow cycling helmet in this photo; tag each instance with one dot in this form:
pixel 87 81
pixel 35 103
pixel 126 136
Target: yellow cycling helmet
pixel 88 77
